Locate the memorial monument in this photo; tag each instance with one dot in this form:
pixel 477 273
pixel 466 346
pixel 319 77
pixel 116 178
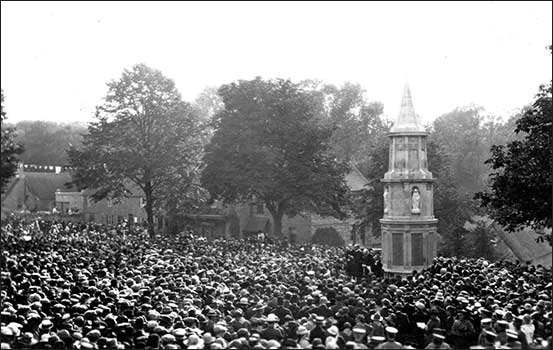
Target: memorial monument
pixel 409 237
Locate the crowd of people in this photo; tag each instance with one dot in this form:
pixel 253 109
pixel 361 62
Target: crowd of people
pixel 87 286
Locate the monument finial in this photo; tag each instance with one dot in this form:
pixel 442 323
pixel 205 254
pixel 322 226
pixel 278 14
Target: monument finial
pixel 407 119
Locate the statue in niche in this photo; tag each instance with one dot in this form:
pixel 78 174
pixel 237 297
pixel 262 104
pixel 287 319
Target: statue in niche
pixel 415 201
pixel 386 195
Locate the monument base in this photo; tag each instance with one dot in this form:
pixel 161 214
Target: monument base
pixel 408 245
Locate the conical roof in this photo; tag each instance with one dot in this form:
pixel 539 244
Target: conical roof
pixel 407 120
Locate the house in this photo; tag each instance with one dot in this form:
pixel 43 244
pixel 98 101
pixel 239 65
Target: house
pixel 33 188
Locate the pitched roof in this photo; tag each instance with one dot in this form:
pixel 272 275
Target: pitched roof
pixel 355 179
pixel 407 119
pixel 523 244
pixel 44 185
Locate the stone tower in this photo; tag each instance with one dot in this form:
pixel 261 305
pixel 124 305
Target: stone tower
pixel 409 237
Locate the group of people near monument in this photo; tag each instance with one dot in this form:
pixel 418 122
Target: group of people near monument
pixel 88 286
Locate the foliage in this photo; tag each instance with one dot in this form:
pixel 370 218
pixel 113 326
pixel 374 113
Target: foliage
pixel 357 123
pixel 452 206
pixel 45 142
pixel 270 144
pixel 207 105
pixel 480 238
pixel 368 207
pixel 328 236
pixel 359 136
pixel 10 149
pixel 520 192
pixel 145 138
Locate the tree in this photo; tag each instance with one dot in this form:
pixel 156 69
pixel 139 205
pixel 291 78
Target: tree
pixel 368 206
pixel 45 142
pixel 356 122
pixel 481 238
pixel 207 105
pixel 145 136
pixel 460 133
pixel 521 184
pixel 269 144
pixel 453 206
pixel 10 149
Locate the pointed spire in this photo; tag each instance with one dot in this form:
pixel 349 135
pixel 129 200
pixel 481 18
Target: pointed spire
pixel 407 120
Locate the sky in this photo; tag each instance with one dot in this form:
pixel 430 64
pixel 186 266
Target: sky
pixel 56 57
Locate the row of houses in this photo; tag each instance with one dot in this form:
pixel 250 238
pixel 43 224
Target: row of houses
pixel 46 189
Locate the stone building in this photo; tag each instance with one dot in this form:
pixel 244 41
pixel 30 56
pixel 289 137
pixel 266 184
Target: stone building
pixel 409 237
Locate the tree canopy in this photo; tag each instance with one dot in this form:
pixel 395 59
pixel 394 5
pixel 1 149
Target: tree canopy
pixel 145 137
pixel 521 183
pixel 270 144
pixel 45 142
pixel 10 149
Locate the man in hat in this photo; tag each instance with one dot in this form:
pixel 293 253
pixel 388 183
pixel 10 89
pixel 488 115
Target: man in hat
pixel 391 342
pixel 359 337
pixel 462 330
pixel 438 342
pixel 318 331
pixel 273 330
pixel 486 325
pixel 303 338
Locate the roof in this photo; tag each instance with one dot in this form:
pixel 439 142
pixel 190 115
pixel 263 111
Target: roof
pixel 407 120
pixel 355 179
pixel 257 223
pixel 523 244
pixel 44 185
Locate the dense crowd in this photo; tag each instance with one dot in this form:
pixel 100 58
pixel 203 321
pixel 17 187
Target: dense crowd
pixel 83 286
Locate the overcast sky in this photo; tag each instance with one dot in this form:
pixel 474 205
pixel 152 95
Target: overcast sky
pixel 56 58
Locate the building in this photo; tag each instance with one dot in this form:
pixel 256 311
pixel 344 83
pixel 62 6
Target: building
pixel 34 187
pixel 409 228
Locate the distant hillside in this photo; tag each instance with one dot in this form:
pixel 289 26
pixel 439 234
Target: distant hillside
pixel 45 142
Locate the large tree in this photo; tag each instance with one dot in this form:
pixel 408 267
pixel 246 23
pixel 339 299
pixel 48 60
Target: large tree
pixel 521 183
pixel 145 136
pixel 10 149
pixel 269 143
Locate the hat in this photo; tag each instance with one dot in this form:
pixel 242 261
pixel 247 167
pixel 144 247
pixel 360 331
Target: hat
pixel 333 330
pixel 272 318
pixel 419 305
pixel 438 336
pixel 391 330
pixel 319 319
pixel 302 330
pixel 512 334
pixel 376 317
pixel 378 338
pixel 486 320
pixel 359 330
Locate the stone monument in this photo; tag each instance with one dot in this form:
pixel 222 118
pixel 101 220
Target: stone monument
pixel 409 237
